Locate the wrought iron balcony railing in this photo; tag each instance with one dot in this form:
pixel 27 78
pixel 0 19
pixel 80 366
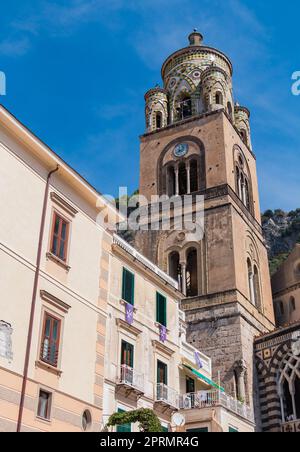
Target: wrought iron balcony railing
pixel 208 399
pixel 130 377
pixel 166 395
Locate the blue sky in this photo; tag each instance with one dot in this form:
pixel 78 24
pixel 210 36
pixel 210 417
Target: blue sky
pixel 77 72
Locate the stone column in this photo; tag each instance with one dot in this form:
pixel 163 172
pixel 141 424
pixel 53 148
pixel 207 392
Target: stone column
pixel 244 196
pixel 293 392
pixel 188 176
pixel 240 371
pixel 176 181
pixel 240 186
pixel 252 290
pixel 183 278
pixel 280 394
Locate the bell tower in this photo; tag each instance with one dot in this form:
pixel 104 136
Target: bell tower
pixel 198 142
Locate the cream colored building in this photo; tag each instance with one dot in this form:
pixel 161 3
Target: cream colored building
pixel 64 384
pixel 286 289
pixel 144 369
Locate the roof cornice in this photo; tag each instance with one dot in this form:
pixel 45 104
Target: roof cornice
pixel 51 159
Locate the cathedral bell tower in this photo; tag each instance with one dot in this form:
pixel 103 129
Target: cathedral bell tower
pixel 197 141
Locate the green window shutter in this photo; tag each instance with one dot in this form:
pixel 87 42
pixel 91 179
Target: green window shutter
pixel 128 286
pixel 233 430
pixel 124 427
pixel 161 309
pixel 200 430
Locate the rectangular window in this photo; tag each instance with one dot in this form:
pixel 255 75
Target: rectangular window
pixel 161 309
pixel 60 235
pixel 127 354
pixel 162 381
pixel 190 385
pixel 50 340
pixel 44 406
pixel 128 286
pixel 162 373
pixel 124 427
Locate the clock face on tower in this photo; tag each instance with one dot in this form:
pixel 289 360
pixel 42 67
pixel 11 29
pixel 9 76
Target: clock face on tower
pixel 181 150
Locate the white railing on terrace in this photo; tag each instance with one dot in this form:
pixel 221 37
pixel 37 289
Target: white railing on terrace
pixel 139 257
pixel 182 315
pixel 188 352
pixel 208 399
pixel 130 377
pixel 166 395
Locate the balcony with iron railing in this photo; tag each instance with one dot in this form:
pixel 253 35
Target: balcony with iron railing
pixel 214 398
pixel 166 396
pixel 130 380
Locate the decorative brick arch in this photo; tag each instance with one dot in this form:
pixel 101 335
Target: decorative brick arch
pixel 269 362
pixel 201 155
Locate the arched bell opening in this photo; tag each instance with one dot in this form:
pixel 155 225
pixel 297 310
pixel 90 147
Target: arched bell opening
pixel 192 273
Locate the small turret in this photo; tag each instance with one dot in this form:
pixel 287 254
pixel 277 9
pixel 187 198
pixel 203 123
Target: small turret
pixel 195 38
pixel 217 90
pixel 242 123
pixel 156 109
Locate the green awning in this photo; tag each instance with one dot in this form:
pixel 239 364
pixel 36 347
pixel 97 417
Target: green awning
pixel 203 378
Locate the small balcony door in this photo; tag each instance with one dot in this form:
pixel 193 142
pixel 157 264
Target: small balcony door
pixel 162 381
pixel 127 354
pixel 190 389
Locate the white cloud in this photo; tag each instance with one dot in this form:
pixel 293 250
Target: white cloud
pixel 14 46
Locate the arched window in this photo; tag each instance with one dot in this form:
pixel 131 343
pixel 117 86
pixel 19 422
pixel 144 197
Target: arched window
pixel 238 181
pixel 219 98
pixel 251 282
pixel 291 398
pixel 279 312
pixel 244 136
pixel 297 394
pixel 287 401
pixel 194 185
pixel 247 194
pixel 257 295
pixel 184 107
pixel 192 273
pixel 229 109
pixel 86 420
pixel 182 175
pixel 158 117
pixel 292 304
pixel 242 196
pixel 174 266
pixel 171 181
pixel 242 185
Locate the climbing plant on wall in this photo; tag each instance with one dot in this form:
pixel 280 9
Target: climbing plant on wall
pixel 148 421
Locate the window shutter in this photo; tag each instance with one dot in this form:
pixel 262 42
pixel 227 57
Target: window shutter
pixel 128 286
pixel 124 427
pixel 161 309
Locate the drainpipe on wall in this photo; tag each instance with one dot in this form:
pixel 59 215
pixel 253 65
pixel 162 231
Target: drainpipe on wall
pixel 33 301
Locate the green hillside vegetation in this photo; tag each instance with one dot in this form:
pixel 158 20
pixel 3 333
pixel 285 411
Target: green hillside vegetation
pixel 282 232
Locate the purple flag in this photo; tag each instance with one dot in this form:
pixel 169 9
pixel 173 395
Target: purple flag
pixel 198 360
pixel 129 313
pixel 162 333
